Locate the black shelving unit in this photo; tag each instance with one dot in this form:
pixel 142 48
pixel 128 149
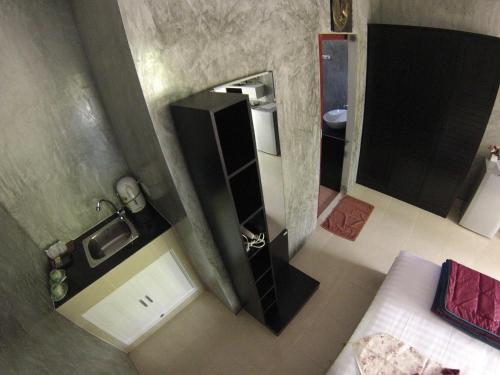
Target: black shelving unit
pixel 332 159
pixel 216 134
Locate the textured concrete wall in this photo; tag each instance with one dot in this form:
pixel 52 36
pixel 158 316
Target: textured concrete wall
pixel 182 47
pixel 142 139
pixel 58 155
pixel 357 49
pixel 33 338
pixel 23 285
pixel 480 16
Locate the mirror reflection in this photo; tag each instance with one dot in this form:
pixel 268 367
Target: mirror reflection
pixel 260 91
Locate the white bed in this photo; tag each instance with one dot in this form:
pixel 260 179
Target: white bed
pixel 401 308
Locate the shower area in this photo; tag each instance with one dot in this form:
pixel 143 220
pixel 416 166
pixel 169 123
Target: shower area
pixel 333 54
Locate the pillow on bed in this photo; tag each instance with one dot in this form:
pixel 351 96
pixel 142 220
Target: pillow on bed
pixel 470 301
pixel 385 354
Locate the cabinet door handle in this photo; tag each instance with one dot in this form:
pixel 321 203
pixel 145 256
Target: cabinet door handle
pixel 149 299
pixel 143 303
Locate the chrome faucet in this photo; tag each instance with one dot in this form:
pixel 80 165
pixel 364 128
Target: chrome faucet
pixel 119 212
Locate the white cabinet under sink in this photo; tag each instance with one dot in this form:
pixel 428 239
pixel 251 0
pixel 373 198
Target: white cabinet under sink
pixel 135 298
pixel 139 304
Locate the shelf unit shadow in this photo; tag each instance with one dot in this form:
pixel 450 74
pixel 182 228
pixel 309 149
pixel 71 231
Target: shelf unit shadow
pixel 218 142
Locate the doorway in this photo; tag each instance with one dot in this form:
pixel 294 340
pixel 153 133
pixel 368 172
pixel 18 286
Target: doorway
pixel 333 58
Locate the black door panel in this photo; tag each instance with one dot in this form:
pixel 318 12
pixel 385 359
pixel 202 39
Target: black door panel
pixel 332 158
pixel 429 95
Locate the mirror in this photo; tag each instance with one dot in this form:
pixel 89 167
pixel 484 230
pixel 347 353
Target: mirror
pixel 260 91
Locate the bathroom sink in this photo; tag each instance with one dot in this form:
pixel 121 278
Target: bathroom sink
pixel 108 240
pixel 336 118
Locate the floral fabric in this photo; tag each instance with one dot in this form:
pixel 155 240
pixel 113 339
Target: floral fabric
pixel 382 354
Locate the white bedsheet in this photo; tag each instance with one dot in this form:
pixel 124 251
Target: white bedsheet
pixel 401 308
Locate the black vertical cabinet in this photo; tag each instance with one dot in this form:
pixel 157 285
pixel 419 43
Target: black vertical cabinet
pixel 217 138
pixel 429 94
pixel 332 159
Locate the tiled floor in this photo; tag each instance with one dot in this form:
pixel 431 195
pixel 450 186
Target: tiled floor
pixel 207 339
pixel 325 197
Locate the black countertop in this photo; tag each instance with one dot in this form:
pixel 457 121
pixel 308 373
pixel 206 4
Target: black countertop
pixel 338 134
pixel 80 275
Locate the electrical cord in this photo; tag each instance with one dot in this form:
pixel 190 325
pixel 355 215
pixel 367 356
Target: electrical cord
pixel 257 242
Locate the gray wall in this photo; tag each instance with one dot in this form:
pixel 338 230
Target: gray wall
pixel 34 339
pixel 57 157
pixel 182 47
pixel 58 154
pixel 150 159
pixel 480 16
pixel 334 74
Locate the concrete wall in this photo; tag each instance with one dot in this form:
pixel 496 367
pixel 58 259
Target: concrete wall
pixel 480 16
pixel 34 338
pixel 142 139
pixel 182 47
pixel 357 51
pixel 58 154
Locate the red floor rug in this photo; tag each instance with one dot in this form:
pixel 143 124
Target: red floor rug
pixel 348 217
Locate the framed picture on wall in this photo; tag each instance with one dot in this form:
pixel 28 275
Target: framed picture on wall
pixel 341 15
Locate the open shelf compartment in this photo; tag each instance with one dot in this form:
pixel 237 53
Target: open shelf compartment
pixel 234 129
pixel 257 225
pixel 260 263
pixel 245 187
pixel 268 300
pixel 265 283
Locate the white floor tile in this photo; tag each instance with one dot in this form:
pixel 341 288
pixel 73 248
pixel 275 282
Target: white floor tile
pixel 208 339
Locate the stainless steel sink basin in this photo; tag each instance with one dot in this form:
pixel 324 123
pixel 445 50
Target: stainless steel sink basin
pixel 108 240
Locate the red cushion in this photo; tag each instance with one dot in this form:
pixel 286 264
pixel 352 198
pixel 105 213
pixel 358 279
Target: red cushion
pixel 474 297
